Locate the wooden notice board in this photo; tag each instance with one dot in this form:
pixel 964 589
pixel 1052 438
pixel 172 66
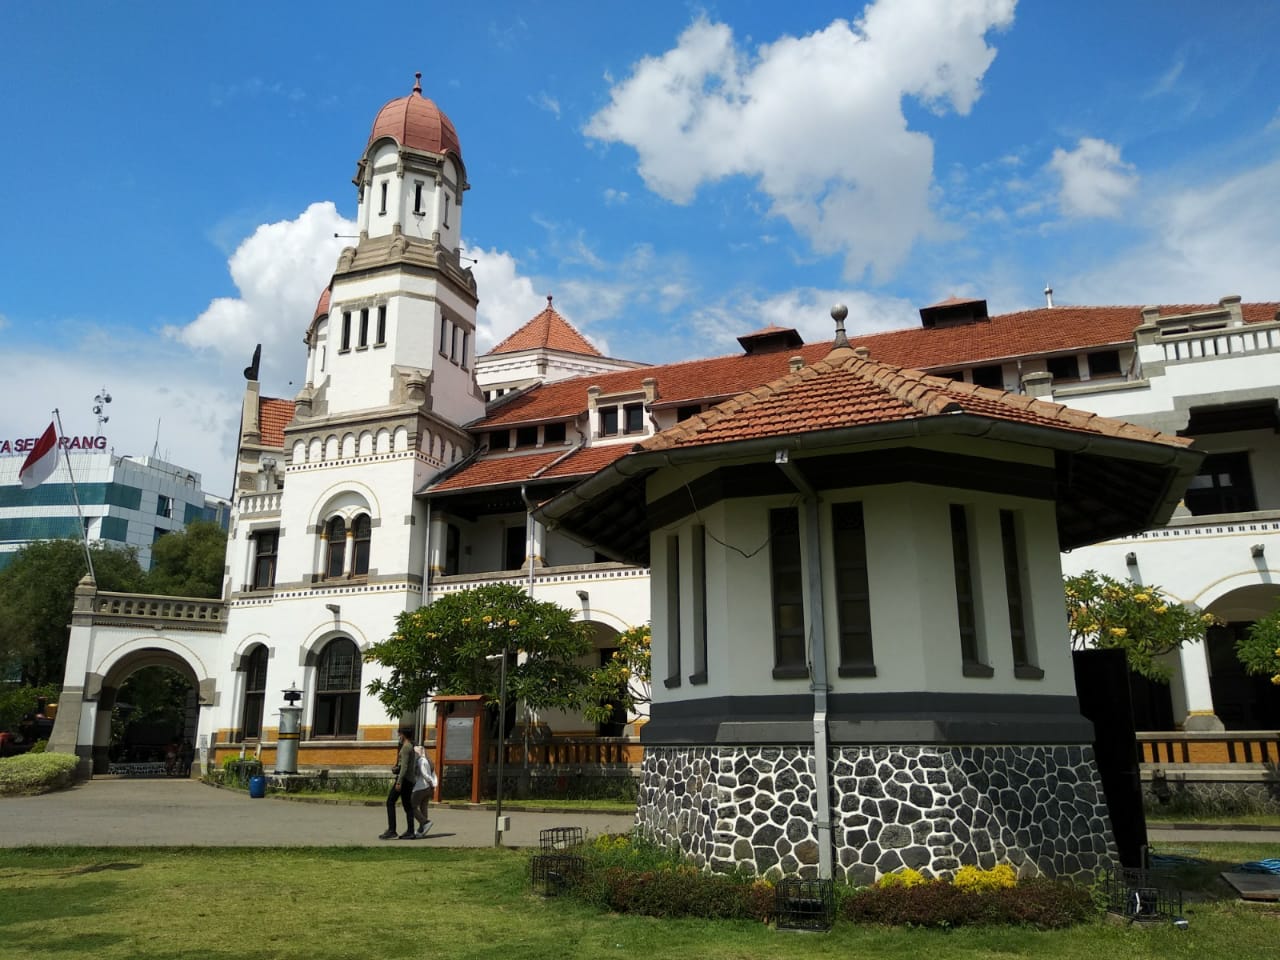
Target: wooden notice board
pixel 459 732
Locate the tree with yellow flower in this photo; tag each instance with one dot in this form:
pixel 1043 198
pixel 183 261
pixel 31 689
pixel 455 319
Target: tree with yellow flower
pixel 1106 613
pixel 1259 648
pixel 624 679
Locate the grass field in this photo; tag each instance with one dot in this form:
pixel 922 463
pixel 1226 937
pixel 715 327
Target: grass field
pixel 315 904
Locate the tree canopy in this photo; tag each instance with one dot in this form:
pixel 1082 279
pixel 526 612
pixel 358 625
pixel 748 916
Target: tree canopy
pixel 1143 621
pixel 1259 648
pixel 188 562
pixel 455 645
pixel 37 591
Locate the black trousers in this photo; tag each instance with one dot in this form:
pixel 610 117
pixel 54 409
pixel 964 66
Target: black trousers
pixel 405 796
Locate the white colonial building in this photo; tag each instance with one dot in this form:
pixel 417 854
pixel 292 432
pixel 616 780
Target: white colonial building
pixel 408 467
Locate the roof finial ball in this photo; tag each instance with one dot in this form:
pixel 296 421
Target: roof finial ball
pixel 417 84
pixel 838 313
pixel 548 301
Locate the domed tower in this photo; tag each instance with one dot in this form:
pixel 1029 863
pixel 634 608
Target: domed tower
pixel 402 306
pixel 411 177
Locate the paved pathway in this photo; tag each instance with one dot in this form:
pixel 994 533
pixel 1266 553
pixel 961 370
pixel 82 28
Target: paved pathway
pixel 164 813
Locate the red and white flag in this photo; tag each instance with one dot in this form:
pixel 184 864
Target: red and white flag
pixel 40 461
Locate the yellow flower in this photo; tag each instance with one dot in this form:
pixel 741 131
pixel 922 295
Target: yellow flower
pixel 1276 679
pixel 487 619
pixel 1160 608
pixel 466 620
pixel 513 623
pixel 1118 631
pixel 1142 597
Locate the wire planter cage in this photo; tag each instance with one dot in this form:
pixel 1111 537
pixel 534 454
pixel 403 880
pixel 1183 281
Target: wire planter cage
pixel 801 904
pixel 550 875
pixel 1142 896
pixel 559 838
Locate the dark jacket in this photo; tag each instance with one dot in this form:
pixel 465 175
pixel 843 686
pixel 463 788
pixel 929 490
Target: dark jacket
pixel 408 764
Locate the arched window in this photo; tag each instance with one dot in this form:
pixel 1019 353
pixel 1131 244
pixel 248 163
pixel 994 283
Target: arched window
pixel 337 711
pixel 336 547
pixel 255 693
pixel 360 532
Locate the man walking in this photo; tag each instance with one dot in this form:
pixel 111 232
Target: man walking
pixel 405 771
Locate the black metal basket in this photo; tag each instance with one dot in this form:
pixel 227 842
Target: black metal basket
pixel 1142 896
pixel 559 838
pixel 804 904
pixel 551 875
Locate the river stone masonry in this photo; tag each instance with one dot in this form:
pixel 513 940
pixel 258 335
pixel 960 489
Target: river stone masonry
pixel 1038 808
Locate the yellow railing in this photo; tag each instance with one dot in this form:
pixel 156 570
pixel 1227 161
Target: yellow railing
pixel 1234 746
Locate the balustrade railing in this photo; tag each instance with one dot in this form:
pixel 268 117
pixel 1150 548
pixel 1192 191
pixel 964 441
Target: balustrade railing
pixel 188 611
pixel 571 752
pixel 1222 342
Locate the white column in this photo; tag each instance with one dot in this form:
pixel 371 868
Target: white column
pixel 1194 659
pixel 536 545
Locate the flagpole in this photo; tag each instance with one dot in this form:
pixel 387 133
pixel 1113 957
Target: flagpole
pixel 75 495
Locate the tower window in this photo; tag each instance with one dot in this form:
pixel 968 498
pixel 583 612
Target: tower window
pixel 417 197
pixel 346 330
pixel 787 589
pixel 853 593
pixel 444 337
pixel 384 199
pixel 364 327
pixel 361 531
pixel 462 359
pixel 453 348
pixel 446 210
pixel 265 548
pixel 382 325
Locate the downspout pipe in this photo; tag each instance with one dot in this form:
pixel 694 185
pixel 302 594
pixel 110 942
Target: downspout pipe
pixel 817 658
pixel 529 506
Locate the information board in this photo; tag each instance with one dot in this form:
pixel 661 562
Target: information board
pixel 457 741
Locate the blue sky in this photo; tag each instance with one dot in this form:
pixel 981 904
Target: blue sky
pixel 676 174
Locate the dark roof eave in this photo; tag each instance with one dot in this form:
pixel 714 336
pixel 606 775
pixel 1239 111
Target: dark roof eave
pixel 1182 461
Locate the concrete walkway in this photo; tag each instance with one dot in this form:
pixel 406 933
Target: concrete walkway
pixel 188 813
pixel 170 812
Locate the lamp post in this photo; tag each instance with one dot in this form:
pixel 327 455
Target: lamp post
pixel 287 737
pixel 502 741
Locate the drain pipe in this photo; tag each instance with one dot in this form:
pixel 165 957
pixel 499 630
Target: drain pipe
pixel 817 659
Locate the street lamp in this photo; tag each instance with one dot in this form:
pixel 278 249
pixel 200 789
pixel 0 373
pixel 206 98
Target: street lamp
pixel 495 623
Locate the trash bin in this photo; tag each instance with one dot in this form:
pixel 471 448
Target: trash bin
pixel 257 786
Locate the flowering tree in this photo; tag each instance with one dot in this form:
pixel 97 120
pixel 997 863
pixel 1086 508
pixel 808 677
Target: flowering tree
pixel 1106 613
pixel 1259 648
pixel 624 679
pixel 455 646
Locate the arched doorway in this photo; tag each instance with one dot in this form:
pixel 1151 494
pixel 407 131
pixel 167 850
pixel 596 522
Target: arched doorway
pixel 1240 700
pixel 148 716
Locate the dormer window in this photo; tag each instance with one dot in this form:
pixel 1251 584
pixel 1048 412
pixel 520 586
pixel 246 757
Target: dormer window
pixel 633 418
pixel 608 426
pixel 553 433
pixel 383 209
pixel 1063 369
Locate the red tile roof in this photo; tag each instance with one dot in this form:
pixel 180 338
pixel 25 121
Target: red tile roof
pixel 848 390
pixel 1028 332
pixel 273 416
pixel 500 470
pixel 416 122
pixel 322 305
pixel 547 331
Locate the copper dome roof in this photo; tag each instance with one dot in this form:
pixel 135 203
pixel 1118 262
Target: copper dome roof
pixel 416 122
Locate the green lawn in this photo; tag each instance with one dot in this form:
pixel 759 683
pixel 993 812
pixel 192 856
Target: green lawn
pixel 314 904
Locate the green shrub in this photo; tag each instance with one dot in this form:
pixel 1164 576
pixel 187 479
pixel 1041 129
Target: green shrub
pixel 976 880
pixel 1043 903
pixel 237 772
pixel 32 773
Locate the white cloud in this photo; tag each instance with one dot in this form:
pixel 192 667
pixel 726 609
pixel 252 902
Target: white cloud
pixel 184 407
pixel 544 101
pixel 1207 240
pixel 508 299
pixel 1094 179
pixel 816 121
pixel 280 272
pixel 613 198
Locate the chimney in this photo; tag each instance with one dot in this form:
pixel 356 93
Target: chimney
pixel 1048 296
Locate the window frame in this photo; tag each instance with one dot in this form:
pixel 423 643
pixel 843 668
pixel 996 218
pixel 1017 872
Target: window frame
pixel 270 557
pixel 786 593
pixel 340 700
pixel 256 666
pixel 852 568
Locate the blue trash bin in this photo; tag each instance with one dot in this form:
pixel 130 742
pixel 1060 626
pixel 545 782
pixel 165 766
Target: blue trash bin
pixel 257 786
